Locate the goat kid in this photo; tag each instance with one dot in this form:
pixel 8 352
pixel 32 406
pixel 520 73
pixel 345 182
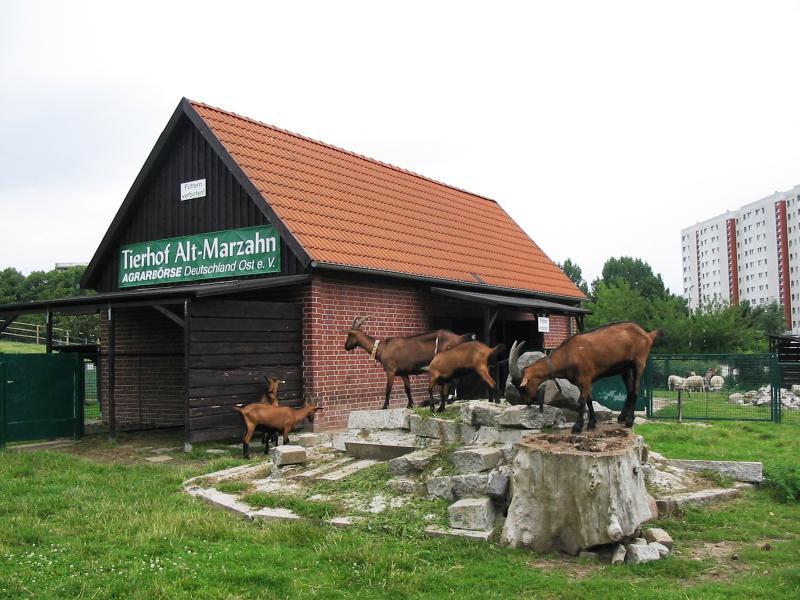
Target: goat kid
pixel 278 418
pixel 614 349
pixel 459 360
pixel 402 356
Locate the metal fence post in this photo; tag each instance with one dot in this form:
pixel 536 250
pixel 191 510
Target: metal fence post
pixel 775 384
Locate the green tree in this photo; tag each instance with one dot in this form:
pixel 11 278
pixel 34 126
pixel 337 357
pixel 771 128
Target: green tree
pixel 11 282
pixel 573 271
pixel 638 274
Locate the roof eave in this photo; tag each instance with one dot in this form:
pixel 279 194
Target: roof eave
pixel 342 268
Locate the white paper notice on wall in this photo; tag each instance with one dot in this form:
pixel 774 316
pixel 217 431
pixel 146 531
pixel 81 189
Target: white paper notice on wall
pixel 193 189
pixel 543 324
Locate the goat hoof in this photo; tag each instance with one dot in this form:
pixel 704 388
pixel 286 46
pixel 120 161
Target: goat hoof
pixel 577 428
pixel 592 425
pixel 621 418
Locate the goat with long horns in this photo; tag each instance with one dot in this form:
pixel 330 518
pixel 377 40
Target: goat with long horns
pixel 402 356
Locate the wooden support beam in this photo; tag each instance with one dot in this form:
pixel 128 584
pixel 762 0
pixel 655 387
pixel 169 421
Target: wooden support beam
pixel 171 315
pixel 489 318
pixel 49 334
pixel 9 319
pixel 187 348
pixel 112 350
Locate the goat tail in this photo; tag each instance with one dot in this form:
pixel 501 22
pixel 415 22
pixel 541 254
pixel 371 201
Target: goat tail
pixel 237 408
pixel 658 333
pixel 497 351
pixel 425 369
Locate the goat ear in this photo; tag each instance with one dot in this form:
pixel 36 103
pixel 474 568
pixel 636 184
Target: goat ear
pixel 320 408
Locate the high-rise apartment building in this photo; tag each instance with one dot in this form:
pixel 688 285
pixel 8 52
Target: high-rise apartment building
pixel 749 254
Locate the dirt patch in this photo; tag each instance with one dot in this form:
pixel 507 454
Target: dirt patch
pixel 608 438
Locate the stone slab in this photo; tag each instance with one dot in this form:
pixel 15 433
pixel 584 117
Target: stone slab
pixel 343 522
pixel 312 474
pixel 467 534
pixel 750 472
pixel 288 455
pixel 498 483
pixel 392 418
pixel 657 535
pixel 480 412
pixel 439 429
pixel 440 487
pixel 219 499
pixel 413 462
pixel 276 514
pixel 488 435
pixel 376 450
pixel 158 459
pixel 477 459
pixel 405 485
pixel 470 485
pixel 347 470
pixel 618 554
pixel 663 551
pixel 671 505
pixel 529 417
pixel 472 513
pixel 309 440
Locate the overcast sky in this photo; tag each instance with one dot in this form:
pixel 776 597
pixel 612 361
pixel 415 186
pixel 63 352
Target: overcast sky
pixel 603 128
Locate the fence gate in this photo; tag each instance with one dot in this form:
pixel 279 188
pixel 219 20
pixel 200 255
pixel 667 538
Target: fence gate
pixel 747 387
pixel 41 397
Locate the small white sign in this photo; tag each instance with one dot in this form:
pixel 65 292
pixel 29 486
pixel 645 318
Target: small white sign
pixel 544 324
pixel 193 189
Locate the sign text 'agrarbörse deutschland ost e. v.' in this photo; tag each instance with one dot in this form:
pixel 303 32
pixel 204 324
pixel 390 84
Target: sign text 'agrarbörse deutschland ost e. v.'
pixel 231 253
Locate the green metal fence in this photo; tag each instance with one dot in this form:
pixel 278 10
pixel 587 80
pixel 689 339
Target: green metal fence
pixel 741 387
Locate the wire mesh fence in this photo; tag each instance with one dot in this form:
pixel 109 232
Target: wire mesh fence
pixel 91 409
pixel 743 387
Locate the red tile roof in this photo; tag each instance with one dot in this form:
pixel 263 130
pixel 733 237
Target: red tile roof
pixel 346 209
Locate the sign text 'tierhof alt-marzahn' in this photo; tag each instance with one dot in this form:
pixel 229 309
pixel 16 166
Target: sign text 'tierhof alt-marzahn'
pixel 232 253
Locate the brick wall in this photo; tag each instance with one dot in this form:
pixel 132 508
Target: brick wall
pixel 561 327
pixel 343 381
pixel 149 377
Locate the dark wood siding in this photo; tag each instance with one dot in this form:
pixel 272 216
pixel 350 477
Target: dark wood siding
pixel 234 345
pixel 158 212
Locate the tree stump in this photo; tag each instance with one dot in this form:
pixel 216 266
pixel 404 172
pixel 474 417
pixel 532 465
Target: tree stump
pixel 572 492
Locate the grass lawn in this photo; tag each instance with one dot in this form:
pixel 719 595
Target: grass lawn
pixel 100 522
pixel 7 347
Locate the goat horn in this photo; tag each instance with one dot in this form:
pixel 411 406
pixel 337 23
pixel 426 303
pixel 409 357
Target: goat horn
pixel 513 367
pixel 359 321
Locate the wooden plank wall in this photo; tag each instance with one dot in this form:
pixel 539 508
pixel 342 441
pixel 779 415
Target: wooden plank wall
pixel 234 345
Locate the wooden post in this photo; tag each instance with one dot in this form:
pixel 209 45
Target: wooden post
pixel 49 332
pixel 112 408
pixel 680 407
pixel 187 444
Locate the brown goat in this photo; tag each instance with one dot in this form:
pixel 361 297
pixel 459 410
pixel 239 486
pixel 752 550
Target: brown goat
pixel 270 397
pixel 613 349
pixel 402 356
pixel 459 360
pixel 278 418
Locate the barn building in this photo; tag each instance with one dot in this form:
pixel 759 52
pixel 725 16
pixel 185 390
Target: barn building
pixel 243 250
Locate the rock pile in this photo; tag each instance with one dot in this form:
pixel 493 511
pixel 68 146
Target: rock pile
pixel 763 397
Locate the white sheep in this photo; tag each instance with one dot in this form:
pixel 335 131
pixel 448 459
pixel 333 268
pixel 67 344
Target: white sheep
pixel 695 382
pixel 675 382
pixel 716 383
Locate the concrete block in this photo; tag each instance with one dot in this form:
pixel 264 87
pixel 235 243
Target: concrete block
pixel 657 535
pixel 414 462
pixel 288 455
pixel 602 413
pixel 641 553
pixel 670 505
pixel 480 412
pixel 472 513
pixel 439 429
pixel 478 536
pixel 325 468
pixel 392 418
pixel 750 472
pixel 529 417
pixel 229 502
pixel 467 433
pixel 440 487
pixel 477 459
pixel 470 485
pixel 376 450
pixel 276 514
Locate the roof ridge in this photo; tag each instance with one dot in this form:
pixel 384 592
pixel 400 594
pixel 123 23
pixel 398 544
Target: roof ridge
pixel 337 148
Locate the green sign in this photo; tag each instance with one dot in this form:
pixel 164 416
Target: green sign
pixel 231 253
